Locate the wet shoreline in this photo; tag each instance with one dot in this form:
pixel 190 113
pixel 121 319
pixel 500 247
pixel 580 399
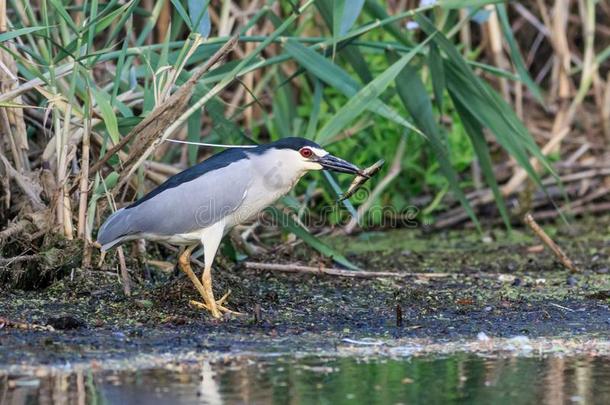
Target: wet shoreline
pixel 500 289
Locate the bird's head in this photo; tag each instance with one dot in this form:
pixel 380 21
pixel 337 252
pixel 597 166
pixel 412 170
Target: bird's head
pixel 311 156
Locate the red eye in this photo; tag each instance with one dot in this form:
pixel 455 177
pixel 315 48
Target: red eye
pixel 306 152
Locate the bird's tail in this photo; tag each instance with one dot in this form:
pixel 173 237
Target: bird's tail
pixel 114 230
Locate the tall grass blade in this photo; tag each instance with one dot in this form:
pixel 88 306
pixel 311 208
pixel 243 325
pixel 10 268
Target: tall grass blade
pixel 108 116
pixel 486 105
pixel 59 8
pixel 351 54
pixel 452 4
pixel 477 138
pixel 378 12
pixel 338 7
pixel 350 15
pixel 283 105
pixel 516 54
pixel 7 36
pixel 415 98
pixel 338 78
pixel 200 16
pixel 314 116
pixel 294 227
pixel 366 97
pixel 437 74
pixel 183 13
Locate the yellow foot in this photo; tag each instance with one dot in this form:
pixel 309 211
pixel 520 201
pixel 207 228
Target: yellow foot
pixel 219 306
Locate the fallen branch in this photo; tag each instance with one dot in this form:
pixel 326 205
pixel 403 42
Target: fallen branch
pixel 294 268
pixel 546 239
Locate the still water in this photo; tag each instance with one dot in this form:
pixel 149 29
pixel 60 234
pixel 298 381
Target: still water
pixel 326 380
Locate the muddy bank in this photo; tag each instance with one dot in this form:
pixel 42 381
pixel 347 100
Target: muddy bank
pixel 500 286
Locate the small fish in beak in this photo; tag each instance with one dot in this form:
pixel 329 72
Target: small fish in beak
pixel 363 177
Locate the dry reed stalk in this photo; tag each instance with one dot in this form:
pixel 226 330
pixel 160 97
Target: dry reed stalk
pixel 567 111
pixel 75 138
pixel 465 34
pixel 519 176
pixel 84 178
pixel 605 113
pixel 148 133
pixel 12 123
pixel 234 103
pixel 64 196
pixel 248 79
pixel 559 40
pixel 5 127
pixel 225 21
pixel 163 22
pixel 560 88
pixel 583 174
pixel 518 100
pixel 495 43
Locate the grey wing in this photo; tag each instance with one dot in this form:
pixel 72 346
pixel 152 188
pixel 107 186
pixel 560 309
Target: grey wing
pixel 185 208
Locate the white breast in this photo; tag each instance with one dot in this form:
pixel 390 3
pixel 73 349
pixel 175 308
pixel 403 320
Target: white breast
pixel 274 174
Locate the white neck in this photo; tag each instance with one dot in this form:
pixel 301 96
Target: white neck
pixel 281 169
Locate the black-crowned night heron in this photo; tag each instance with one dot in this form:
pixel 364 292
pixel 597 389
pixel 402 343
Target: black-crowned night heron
pixel 202 203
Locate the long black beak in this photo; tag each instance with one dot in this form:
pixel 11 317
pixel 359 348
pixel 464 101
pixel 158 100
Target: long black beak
pixel 330 162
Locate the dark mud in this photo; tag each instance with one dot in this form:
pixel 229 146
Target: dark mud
pixel 499 286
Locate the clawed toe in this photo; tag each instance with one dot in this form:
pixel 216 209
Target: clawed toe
pixel 223 298
pixel 219 306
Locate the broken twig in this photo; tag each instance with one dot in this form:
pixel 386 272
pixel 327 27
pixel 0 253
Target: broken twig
pixel 546 239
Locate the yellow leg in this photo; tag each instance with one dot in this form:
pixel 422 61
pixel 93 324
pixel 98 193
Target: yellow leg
pixel 206 293
pixel 210 238
pixel 214 307
pixel 206 279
